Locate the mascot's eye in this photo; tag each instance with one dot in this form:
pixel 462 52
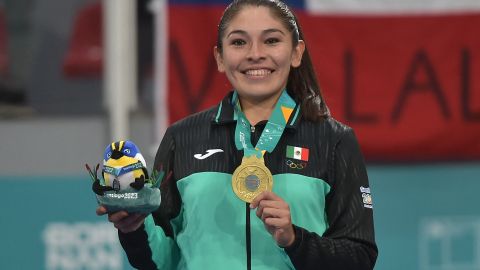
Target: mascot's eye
pixel 126 151
pixel 109 155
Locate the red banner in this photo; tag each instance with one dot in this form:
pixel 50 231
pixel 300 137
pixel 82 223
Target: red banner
pixel 409 86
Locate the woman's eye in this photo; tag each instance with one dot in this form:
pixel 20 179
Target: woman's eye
pixel 238 42
pixel 271 40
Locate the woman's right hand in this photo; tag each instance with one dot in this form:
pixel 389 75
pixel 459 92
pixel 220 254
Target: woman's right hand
pixel 122 220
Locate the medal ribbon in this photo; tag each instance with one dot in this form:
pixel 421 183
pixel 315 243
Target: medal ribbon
pixel 273 130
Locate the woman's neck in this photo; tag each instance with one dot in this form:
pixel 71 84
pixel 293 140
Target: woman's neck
pixel 257 110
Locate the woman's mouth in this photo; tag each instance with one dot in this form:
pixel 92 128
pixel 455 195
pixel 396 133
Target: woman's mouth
pixel 258 72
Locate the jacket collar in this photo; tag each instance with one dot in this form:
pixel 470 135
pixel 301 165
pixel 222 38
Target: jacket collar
pixel 224 113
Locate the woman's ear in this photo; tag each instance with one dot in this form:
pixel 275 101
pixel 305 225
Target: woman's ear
pixel 219 59
pixel 298 53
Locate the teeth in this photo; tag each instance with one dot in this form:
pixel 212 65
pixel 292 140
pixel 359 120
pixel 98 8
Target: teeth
pixel 258 72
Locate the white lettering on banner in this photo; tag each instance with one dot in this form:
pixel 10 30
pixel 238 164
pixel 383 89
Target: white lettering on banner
pixel 449 243
pixel 75 246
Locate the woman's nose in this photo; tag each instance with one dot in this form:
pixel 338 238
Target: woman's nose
pixel 256 52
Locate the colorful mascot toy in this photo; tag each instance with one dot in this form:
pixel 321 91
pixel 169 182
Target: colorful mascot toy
pixel 125 183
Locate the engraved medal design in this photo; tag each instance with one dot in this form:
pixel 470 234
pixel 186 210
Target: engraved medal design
pixel 251 178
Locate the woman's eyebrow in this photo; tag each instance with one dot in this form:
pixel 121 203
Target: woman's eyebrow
pixel 272 30
pixel 264 32
pixel 240 32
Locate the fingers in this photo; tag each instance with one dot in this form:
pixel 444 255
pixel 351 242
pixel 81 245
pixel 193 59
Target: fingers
pixel 122 220
pixel 101 210
pixel 117 216
pixel 266 195
pixel 271 204
pixel 277 223
pixel 275 217
pixel 275 214
pixel 130 223
pixel 269 199
pixel 272 210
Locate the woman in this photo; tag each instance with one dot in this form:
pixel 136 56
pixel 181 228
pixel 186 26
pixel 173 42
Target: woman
pixel 214 214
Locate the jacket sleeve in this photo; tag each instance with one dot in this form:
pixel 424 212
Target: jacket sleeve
pixel 349 241
pixel 153 245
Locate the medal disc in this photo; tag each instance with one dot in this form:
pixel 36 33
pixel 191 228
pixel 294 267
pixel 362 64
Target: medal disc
pixel 251 178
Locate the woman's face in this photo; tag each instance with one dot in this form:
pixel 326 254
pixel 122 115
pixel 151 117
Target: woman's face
pixel 257 54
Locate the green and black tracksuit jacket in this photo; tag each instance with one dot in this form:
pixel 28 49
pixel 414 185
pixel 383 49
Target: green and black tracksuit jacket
pixel 201 223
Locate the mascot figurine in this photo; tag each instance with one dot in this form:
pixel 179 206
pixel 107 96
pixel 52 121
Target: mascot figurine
pixel 125 183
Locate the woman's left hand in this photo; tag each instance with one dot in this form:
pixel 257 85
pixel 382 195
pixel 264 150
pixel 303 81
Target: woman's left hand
pixel 275 214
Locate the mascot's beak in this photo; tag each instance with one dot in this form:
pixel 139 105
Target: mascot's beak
pixel 116 154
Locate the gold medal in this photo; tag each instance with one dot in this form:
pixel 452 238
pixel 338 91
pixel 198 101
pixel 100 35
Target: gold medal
pixel 251 178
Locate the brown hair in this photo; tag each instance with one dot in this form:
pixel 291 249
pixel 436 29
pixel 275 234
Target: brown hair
pixel 302 82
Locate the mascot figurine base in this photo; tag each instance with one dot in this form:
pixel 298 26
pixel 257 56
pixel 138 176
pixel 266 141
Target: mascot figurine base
pixel 125 183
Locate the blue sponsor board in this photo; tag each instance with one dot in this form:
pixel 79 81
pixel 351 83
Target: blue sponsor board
pixel 426 218
pixel 50 223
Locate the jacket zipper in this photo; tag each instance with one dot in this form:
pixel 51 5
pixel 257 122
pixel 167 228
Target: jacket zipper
pixel 248 237
pixel 247 216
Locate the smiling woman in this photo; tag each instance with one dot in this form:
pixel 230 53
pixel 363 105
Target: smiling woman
pixel 242 192
pixel 256 54
pixel 264 40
